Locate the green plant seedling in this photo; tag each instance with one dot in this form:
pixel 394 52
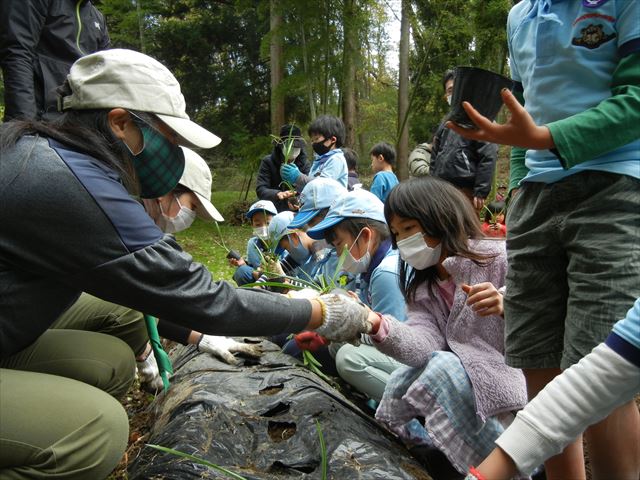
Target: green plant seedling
pixel 198 460
pixel 323 451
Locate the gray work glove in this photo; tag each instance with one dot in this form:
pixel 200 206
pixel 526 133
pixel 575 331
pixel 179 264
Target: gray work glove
pixel 343 318
pixel 224 348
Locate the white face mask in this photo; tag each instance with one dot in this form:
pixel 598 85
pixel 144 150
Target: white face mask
pixel 415 251
pixel 261 232
pixel 181 221
pixel 361 265
pixel 294 153
pixel 449 99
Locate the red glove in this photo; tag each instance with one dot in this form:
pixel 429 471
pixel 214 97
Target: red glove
pixel 310 341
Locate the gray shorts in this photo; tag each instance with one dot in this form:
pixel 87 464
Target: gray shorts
pixel 574 266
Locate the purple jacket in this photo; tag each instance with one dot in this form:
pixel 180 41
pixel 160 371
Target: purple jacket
pixel 477 341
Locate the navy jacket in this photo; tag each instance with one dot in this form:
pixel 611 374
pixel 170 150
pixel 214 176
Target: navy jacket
pixel 68 225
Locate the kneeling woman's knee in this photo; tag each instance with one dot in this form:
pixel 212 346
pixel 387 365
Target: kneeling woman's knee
pixel 123 368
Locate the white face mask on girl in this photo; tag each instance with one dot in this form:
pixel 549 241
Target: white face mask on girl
pixel 449 99
pixel 361 265
pixel 181 221
pixel 415 251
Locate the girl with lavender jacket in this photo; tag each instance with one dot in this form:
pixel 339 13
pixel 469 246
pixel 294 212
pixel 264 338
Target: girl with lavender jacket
pixel 456 394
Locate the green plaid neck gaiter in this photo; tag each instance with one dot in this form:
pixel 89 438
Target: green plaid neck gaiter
pixel 159 165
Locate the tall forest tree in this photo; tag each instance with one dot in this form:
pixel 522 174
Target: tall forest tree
pixel 350 56
pixel 275 61
pixel 402 146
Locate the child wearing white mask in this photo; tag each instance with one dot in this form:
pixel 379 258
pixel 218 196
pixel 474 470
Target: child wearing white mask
pixel 173 213
pixel 260 215
pixel 355 221
pixel 456 392
pixel 191 198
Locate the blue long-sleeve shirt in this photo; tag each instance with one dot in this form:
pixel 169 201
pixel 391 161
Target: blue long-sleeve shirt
pixel 382 184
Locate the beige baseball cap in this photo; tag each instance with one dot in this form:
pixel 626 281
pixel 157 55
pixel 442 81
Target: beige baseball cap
pixel 197 178
pixel 132 80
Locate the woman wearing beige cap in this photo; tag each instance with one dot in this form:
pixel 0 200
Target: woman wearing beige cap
pixel 70 225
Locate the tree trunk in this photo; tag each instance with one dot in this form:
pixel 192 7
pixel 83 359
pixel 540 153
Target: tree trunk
pixel 277 71
pixel 305 65
pixel 349 72
pixel 327 54
pixel 140 26
pixel 402 146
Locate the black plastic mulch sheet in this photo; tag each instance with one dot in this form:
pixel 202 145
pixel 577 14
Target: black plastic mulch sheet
pixel 259 421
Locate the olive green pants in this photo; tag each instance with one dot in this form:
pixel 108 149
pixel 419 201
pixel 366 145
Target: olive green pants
pixel 58 415
pixel 94 315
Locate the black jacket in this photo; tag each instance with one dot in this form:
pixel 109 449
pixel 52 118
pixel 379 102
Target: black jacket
pixel 269 179
pixel 465 163
pixel 38 46
pixel 69 225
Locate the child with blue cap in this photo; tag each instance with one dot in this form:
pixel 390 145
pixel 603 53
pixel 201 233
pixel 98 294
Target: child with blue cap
pixel 298 260
pixel 260 215
pixel 356 222
pixel 316 198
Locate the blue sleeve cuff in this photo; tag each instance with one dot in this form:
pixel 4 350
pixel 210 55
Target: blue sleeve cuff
pixel 623 348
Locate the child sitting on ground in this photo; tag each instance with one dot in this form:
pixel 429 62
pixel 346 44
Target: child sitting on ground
pixel 260 215
pixel 383 157
pixel 294 247
pixel 356 222
pixel 327 136
pixel 456 382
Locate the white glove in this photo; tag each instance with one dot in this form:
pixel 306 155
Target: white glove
pixel 149 375
pixel 224 347
pixel 343 318
pixel 307 293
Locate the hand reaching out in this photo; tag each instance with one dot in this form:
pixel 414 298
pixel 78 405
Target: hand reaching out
pixel 519 131
pixel 285 194
pixel 237 262
pixel 343 318
pixel 224 348
pixel 484 299
pixel 309 341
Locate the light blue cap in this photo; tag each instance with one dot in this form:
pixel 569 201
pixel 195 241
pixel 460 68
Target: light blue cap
pixel 262 205
pixel 317 195
pixel 278 227
pixel 354 204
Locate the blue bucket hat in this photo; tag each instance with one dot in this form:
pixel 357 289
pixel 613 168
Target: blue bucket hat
pixel 262 205
pixel 279 227
pixel 354 204
pixel 317 195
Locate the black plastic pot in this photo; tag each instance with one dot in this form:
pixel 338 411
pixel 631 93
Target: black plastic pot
pixel 481 88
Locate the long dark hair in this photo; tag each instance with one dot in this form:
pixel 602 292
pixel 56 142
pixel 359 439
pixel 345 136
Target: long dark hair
pixel 443 213
pixel 87 131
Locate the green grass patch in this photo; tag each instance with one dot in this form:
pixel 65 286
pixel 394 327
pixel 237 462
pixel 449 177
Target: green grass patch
pixel 201 239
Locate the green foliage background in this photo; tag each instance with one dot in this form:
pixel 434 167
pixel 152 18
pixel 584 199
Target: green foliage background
pixel 219 51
